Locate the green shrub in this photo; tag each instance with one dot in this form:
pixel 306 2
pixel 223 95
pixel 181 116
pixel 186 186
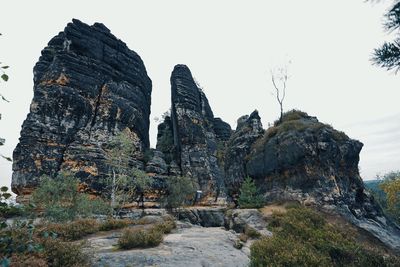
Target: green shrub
pixel 165 227
pixel 111 224
pixel 22 245
pixel 251 232
pixel 249 196
pixel 26 260
pixel 72 230
pixel 61 254
pixel 18 238
pixel 302 237
pixel 291 115
pixel 180 191
pixel 8 210
pixel 61 201
pixel 140 238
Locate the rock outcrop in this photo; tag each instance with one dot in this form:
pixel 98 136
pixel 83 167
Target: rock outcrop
pixel 308 161
pixel 190 137
pixel 248 130
pixel 88 86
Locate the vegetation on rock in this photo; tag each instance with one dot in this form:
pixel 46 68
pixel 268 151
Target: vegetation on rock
pixel 60 199
pixel 249 196
pixel 21 245
pixel 140 238
pixel 386 190
pixel 180 191
pixel 126 182
pixel 303 237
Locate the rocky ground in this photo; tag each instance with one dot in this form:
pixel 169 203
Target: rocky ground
pixel 188 245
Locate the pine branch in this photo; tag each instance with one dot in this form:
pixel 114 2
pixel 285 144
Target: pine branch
pixel 388 56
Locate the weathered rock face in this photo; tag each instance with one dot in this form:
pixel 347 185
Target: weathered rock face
pixel 249 129
pixel 189 138
pixel 223 130
pixel 305 160
pixel 88 86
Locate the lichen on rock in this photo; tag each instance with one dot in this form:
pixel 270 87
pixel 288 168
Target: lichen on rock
pixel 88 86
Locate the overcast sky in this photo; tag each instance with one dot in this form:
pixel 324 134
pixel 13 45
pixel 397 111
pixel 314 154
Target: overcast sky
pixel 230 46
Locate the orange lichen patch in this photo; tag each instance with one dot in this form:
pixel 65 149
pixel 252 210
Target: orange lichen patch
pixel 38 163
pixel 83 187
pixel 61 80
pixel 91 169
pixel 49 143
pixel 71 164
pixel 76 166
pixel 23 194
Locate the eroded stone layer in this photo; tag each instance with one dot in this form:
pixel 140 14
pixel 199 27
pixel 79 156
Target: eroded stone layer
pixel 88 86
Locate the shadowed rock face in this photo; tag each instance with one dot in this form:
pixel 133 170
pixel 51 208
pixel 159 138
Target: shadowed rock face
pixel 249 129
pixel 191 137
pixel 193 133
pixel 88 86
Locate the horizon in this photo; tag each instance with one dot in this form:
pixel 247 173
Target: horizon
pixel 358 98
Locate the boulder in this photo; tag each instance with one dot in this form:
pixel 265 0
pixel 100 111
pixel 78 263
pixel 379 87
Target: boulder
pixel 241 219
pixel 206 217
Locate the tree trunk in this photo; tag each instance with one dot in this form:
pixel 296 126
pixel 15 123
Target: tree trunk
pixel 113 194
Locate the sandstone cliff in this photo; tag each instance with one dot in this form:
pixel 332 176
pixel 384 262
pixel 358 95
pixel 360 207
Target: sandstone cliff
pixel 190 137
pixel 305 160
pixel 88 85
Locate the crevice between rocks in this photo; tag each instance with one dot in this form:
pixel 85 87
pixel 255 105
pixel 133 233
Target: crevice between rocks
pixel 96 108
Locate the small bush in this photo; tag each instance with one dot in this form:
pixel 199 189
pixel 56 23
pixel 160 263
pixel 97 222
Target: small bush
pixel 243 237
pixel 180 191
pixel 149 219
pixel 21 245
pixel 251 232
pixel 302 237
pixel 249 196
pixel 61 254
pixel 27 260
pixel 165 227
pixel 72 230
pixel 61 201
pixel 111 224
pixel 291 115
pixel 8 210
pixel 140 238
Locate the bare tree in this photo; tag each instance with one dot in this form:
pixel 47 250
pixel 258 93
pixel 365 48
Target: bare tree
pixel 279 79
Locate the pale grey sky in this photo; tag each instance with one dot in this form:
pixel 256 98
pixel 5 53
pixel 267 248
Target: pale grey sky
pixel 230 47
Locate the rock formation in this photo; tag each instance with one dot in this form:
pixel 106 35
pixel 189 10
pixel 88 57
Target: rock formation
pixel 304 160
pixel 248 130
pixel 191 135
pixel 88 85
